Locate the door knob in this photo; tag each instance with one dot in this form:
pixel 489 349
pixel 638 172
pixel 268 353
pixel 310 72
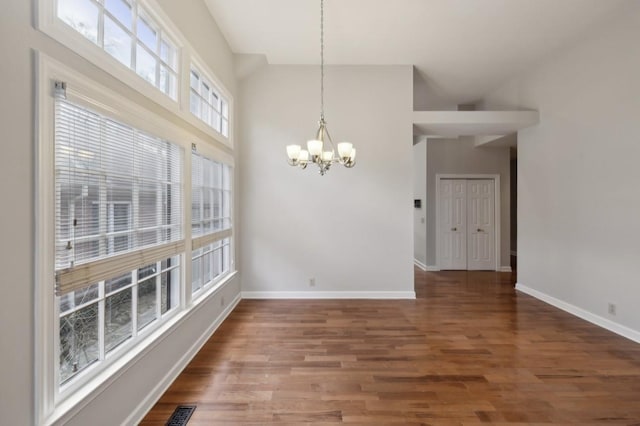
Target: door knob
pixel 454 229
pixel 480 230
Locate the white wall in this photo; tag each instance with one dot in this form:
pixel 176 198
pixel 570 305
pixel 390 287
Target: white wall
pixel 459 156
pixel 578 174
pixel 427 96
pixel 350 229
pixel 18 41
pixel 420 193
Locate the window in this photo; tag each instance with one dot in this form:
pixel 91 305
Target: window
pixel 113 267
pixel 118 235
pixel 97 319
pixel 209 263
pixel 210 221
pixel 138 44
pixel 125 30
pixel 207 104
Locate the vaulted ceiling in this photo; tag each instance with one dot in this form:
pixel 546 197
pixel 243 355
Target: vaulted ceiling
pixel 463 48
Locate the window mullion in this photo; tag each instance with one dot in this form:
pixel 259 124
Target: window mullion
pixel 157 55
pixel 102 203
pixel 101 320
pixel 135 196
pixel 134 39
pixel 134 305
pixel 186 298
pixel 159 291
pixel 100 26
pixel 158 219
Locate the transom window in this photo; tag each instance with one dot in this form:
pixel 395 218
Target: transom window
pixel 207 103
pixel 126 32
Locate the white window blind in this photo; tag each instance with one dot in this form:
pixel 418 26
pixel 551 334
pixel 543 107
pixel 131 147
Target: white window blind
pixel 118 197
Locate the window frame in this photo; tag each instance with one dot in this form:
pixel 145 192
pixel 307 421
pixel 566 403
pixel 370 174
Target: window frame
pixel 137 336
pixel 48 22
pixel 194 61
pixel 205 242
pixel 51 404
pixel 213 89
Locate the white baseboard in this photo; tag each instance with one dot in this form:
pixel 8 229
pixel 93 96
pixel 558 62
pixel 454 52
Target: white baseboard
pixel 420 264
pixel 432 268
pixel 328 295
pixel 506 269
pixel 581 313
pixel 156 393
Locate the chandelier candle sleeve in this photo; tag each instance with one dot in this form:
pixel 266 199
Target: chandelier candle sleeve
pixel 315 152
pixel 293 151
pixel 314 147
pixel 344 150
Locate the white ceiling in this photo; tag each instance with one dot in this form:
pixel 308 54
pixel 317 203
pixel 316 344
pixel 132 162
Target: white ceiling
pixel 464 48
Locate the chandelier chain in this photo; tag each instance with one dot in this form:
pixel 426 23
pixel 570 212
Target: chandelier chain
pixel 322 59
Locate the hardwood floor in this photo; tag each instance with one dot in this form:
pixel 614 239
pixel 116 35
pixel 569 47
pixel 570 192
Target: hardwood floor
pixel 469 350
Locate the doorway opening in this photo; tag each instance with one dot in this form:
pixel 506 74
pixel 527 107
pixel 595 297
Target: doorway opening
pixel 513 207
pixel 419 205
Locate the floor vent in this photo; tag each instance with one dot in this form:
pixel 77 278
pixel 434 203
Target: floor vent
pixel 181 415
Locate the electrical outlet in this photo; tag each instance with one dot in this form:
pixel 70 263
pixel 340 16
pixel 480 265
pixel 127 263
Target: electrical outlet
pixel 312 282
pixel 612 308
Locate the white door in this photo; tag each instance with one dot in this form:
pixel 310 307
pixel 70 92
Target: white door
pixel 480 224
pixel 467 224
pixel 453 224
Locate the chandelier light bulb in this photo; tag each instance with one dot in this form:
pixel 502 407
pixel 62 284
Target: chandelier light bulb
pixel 304 155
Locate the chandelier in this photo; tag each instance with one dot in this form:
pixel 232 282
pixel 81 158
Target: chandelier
pixel 321 150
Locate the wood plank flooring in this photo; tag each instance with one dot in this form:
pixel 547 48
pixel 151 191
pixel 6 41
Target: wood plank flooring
pixel 469 350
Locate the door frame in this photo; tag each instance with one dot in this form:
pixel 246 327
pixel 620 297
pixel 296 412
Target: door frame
pixel 496 208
